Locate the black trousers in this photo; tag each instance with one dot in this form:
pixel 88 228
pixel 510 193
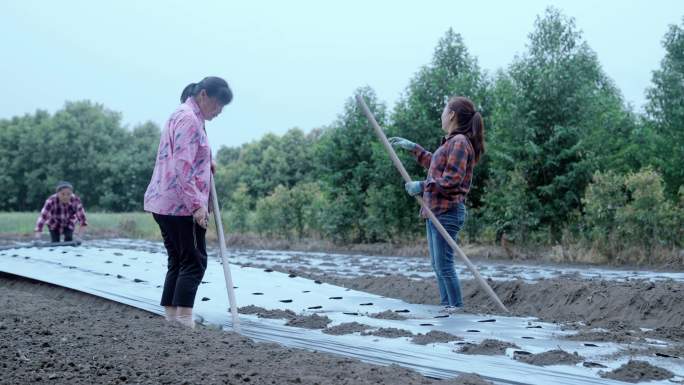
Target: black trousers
pixel 187 251
pixel 68 235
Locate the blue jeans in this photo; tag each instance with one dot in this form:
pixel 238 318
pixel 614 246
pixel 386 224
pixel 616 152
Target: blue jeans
pixel 442 255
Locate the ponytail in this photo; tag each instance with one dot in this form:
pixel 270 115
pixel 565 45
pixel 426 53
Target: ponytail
pixel 188 91
pixel 470 123
pixel 477 135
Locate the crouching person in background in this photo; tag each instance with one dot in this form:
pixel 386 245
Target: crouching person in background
pixel 60 213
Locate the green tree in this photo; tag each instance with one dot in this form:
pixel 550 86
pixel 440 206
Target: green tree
pixel 382 222
pixel 452 71
pixel 665 108
pixel 227 155
pixel 345 165
pixel 272 214
pixel 266 163
pixel 302 211
pixel 83 143
pixel 510 211
pixel 125 173
pixel 556 118
pixel 604 196
pixel 17 143
pixel 341 222
pixel 239 208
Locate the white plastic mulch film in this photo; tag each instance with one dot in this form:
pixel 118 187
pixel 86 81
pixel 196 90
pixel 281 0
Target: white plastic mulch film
pixel 135 278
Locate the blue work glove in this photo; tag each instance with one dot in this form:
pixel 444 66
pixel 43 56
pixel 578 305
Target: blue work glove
pixel 406 144
pixel 414 188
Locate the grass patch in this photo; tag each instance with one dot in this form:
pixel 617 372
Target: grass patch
pixel 137 225
pixel 129 225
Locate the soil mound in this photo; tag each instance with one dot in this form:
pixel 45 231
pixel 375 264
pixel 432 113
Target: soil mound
pixel 552 357
pixel 313 321
pixel 388 333
pixel 434 336
pixel 346 328
pixel 637 371
pixel 488 347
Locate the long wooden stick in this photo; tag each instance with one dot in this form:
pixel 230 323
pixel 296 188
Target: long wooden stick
pixel 397 163
pixel 224 258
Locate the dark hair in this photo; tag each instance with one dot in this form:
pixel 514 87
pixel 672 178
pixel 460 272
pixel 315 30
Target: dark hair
pixel 470 123
pixel 64 184
pixel 216 88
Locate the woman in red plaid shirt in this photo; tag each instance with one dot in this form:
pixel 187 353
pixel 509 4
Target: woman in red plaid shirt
pixel 60 213
pixel 450 172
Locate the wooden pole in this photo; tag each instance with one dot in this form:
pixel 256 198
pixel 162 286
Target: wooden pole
pixel 397 163
pixel 224 259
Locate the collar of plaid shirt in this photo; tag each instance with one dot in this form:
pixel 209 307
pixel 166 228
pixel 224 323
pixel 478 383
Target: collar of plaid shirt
pixel 451 135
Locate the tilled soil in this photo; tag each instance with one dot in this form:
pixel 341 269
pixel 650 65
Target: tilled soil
pixel 58 336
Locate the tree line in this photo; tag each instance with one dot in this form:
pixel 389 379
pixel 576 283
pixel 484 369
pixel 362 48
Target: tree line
pixel 567 157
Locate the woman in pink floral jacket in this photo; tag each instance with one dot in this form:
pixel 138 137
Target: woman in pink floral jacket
pixel 178 194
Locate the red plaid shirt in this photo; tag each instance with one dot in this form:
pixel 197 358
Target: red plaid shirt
pixel 450 172
pixel 60 216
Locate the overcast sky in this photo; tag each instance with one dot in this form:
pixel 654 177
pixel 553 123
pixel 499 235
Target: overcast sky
pixel 289 63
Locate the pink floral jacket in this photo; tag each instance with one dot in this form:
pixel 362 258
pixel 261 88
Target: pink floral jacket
pixel 180 182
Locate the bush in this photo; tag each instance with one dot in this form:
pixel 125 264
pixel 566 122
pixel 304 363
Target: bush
pixel 271 213
pixel 602 198
pixel 239 209
pixel 629 218
pixel 648 218
pixel 287 212
pixel 509 207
